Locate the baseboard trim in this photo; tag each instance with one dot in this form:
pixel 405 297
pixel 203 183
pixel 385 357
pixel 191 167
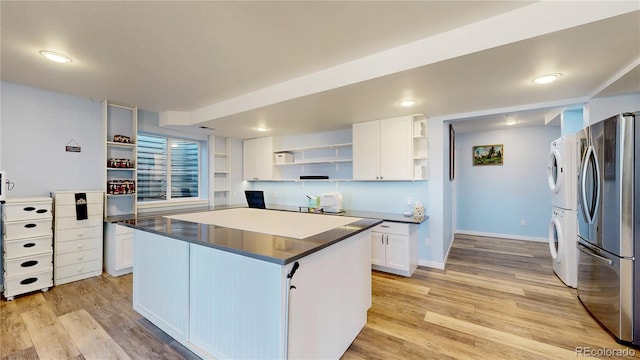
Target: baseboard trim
pixel 503 236
pixel 432 264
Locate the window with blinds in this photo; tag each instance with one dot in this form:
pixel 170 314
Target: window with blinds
pixel 167 168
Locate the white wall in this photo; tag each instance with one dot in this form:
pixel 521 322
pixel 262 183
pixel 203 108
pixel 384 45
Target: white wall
pixel 36 126
pixel 493 199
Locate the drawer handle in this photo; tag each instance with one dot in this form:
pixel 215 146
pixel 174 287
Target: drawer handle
pixel 29 263
pixel 385 226
pixel 30 226
pixel 28 281
pixel 29 208
pixel 41 211
pixel 28 245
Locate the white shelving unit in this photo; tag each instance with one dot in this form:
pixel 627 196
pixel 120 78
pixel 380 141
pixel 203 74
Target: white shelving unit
pixel 332 160
pixel 420 149
pixel 118 240
pixel 120 120
pixel 221 170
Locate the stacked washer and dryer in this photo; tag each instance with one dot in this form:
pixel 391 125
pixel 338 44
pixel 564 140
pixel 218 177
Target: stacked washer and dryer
pixel 562 174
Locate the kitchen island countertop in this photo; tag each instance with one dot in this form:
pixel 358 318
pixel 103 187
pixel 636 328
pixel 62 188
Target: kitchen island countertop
pixel 280 250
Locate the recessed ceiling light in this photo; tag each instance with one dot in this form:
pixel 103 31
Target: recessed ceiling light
pixel 54 56
pixel 408 103
pixel 510 121
pixel 261 129
pixel 546 78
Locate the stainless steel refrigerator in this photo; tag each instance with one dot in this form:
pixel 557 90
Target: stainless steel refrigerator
pixel 608 224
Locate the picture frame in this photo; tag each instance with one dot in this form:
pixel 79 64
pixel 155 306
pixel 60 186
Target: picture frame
pixel 492 154
pixel 452 153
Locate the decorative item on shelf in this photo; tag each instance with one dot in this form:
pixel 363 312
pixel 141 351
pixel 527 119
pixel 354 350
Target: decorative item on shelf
pixel 122 139
pixel 283 158
pixel 418 211
pixel 121 187
pixel 120 163
pixel 419 129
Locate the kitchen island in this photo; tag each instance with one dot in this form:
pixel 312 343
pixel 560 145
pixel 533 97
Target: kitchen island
pixel 224 288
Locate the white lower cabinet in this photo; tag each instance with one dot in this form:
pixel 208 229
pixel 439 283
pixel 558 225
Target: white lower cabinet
pixel 77 240
pixel 394 248
pixel 118 249
pixel 27 246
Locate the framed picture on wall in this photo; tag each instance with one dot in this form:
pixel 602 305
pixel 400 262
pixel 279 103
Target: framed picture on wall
pixel 488 154
pixel 452 152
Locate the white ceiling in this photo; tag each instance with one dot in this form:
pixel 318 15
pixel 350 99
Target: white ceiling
pixel 300 67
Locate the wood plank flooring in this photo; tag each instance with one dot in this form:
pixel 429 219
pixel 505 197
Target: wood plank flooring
pixel 497 299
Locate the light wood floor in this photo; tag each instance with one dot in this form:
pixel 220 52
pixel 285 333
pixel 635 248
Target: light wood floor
pixel 497 299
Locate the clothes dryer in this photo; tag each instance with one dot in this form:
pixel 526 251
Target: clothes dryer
pixel 562 244
pixel 562 173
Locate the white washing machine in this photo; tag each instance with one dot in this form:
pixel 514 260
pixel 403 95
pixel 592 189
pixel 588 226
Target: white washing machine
pixel 562 173
pixel 562 244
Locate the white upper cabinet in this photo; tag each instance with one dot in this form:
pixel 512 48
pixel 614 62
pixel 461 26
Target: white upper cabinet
pixel 258 159
pixel 383 149
pixel 366 150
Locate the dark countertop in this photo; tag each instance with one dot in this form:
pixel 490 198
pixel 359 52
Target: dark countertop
pixel 279 249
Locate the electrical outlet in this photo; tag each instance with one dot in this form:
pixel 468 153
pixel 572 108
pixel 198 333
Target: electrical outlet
pixel 523 222
pixel 409 200
pixel 427 242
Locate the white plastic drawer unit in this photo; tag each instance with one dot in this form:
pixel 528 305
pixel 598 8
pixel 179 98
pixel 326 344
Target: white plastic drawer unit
pixel 79 269
pixel 39 208
pixel 70 210
pixel 65 247
pixel 72 223
pixel 28 264
pixel 25 283
pixel 27 228
pixel 78 257
pixel 392 228
pixel 69 198
pixel 28 246
pixel 78 234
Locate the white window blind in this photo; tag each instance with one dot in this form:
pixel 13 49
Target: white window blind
pixel 184 169
pixel 167 168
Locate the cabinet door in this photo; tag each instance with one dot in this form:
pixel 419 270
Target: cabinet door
pixel 264 158
pixel 125 251
pixel 249 160
pixel 397 251
pixel 396 149
pixel 378 248
pixel 366 150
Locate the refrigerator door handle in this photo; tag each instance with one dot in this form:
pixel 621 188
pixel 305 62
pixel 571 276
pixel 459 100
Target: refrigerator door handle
pixel 590 212
pixel 589 252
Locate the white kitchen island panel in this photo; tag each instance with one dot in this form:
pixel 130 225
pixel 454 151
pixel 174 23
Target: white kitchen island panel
pixel 237 305
pixel 161 282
